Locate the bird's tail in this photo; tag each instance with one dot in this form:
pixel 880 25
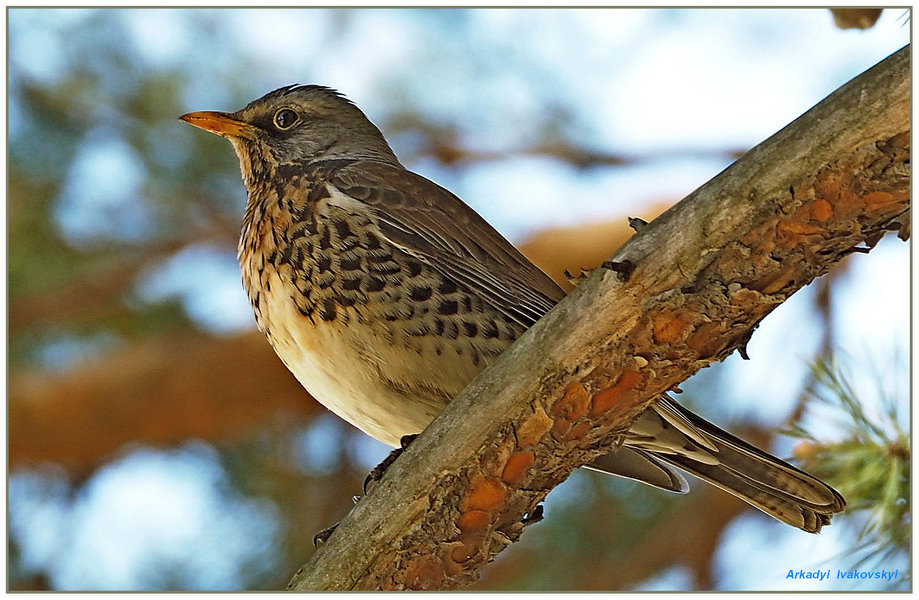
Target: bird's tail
pixel 668 434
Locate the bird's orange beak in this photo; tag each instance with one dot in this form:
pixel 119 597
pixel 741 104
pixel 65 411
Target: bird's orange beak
pixel 222 124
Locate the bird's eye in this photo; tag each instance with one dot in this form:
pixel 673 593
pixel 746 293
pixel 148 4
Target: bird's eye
pixel 286 118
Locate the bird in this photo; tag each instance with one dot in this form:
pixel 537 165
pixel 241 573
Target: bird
pixel 385 295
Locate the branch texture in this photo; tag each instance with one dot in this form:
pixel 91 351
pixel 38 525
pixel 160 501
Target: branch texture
pixel 698 281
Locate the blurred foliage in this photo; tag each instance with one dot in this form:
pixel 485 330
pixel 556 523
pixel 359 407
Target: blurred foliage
pixel 105 100
pixel 870 465
pixel 108 199
pixel 856 18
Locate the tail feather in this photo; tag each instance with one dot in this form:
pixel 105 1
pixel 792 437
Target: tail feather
pixel 764 471
pixel 781 506
pixel 642 466
pixel 668 433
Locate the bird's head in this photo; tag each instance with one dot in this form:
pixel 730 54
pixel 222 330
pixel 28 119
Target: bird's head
pixel 295 125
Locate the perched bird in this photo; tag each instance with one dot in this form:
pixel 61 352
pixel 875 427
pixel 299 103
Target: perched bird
pixel 385 295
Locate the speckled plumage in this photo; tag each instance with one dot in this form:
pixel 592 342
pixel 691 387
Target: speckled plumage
pixel 311 247
pixel 385 295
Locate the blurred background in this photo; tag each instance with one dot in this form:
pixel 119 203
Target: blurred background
pixel 156 443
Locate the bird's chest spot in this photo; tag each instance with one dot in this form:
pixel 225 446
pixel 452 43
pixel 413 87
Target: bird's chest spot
pixel 331 262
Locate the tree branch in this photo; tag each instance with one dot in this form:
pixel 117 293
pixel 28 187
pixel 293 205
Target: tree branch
pixel 703 276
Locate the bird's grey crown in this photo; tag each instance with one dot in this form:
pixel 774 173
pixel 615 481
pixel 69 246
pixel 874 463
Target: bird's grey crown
pixel 306 91
pixel 332 127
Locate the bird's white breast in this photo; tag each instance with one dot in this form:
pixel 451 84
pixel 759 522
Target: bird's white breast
pixel 339 365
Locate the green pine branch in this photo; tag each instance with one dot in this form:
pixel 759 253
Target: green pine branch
pixel 870 465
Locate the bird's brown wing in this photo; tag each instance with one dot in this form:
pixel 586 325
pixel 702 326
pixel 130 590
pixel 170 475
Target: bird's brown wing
pixel 432 224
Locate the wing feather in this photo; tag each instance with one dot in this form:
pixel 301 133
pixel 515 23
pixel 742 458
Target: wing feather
pixel 433 225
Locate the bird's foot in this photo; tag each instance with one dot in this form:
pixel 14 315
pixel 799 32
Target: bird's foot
pixel 576 279
pixel 374 476
pixel 323 535
pixel 377 473
pixel 534 516
pixel 637 224
pixel 623 268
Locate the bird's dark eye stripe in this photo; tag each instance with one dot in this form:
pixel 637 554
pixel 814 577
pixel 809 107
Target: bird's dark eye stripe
pixel 286 118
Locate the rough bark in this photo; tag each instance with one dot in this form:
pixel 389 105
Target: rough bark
pixel 703 275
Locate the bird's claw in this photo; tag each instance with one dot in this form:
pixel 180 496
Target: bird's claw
pixel 323 535
pixel 577 279
pixel 534 516
pixel 377 472
pixel 375 475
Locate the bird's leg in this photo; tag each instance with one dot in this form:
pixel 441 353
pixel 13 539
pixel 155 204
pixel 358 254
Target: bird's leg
pixel 377 473
pixel 324 534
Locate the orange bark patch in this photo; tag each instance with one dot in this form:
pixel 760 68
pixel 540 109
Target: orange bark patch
pixel 642 337
pixel 765 249
pixel 876 200
pixel 517 466
pixel 531 431
pixel 795 228
pixel 827 185
pixel 609 398
pixel 706 340
pixel 668 327
pixel 423 573
pixel 461 553
pixel 822 210
pixel 803 213
pixel 774 281
pixel 578 430
pixel 848 204
pixel 474 521
pixel 485 493
pixel 764 233
pixel 573 404
pixel 744 297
